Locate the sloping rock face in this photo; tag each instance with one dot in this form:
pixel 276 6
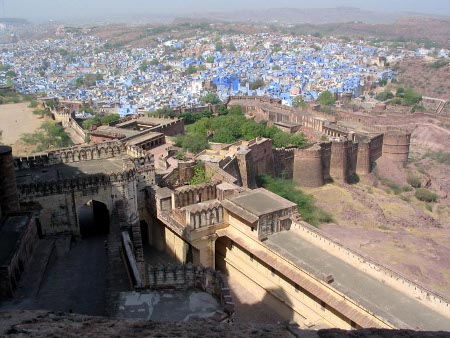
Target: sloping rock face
pixel 50 324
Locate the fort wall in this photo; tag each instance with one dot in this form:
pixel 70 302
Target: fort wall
pixel 308 171
pixel 182 277
pixel 396 147
pixel 73 154
pixel 9 198
pixel 431 299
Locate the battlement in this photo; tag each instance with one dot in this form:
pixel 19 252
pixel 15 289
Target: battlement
pixel 182 277
pixel 73 154
pixel 74 184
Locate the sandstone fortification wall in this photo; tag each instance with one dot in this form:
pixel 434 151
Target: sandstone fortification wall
pixel 432 299
pixel 308 169
pixel 340 159
pixel 9 198
pixel 396 147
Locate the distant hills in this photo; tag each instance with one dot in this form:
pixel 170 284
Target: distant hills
pixel 304 16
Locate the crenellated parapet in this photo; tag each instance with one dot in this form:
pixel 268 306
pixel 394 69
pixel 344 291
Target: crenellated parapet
pixel 187 195
pixel 182 277
pixel 73 154
pixel 203 215
pixel 45 188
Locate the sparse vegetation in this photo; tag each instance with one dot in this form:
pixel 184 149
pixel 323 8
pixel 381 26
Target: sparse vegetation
pixel 200 175
pixel 305 203
pixel 425 195
pixel 48 136
pixel 88 123
pixel 439 64
pixel 414 181
pixel 439 156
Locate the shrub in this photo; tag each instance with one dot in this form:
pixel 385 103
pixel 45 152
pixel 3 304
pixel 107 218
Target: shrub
pixel 414 181
pixel 305 203
pixel 407 188
pixel 425 195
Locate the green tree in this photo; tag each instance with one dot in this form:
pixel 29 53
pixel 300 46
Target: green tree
pixel 109 118
pixel 211 98
pixel 154 62
pixel 88 123
pixel 231 47
pixel 298 102
pixel 411 97
pixel 210 59
pixel 326 98
pixel 144 65
pixel 258 83
pixel 219 46
pixel 42 113
pixel 48 136
pixel 191 69
pixel 200 175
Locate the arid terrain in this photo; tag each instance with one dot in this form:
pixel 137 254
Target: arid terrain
pixel 17 119
pixel 380 217
pixel 418 74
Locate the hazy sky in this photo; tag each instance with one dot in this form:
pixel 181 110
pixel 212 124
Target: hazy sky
pixel 34 9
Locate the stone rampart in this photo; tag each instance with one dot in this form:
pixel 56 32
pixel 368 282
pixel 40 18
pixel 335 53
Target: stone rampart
pixel 188 276
pixel 189 195
pixel 73 154
pixel 396 147
pixel 73 184
pixel 9 199
pixel 284 162
pixel 431 299
pixel 308 170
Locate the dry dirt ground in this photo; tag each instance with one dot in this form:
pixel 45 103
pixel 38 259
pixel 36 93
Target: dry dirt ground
pixel 15 120
pixel 417 74
pixel 401 234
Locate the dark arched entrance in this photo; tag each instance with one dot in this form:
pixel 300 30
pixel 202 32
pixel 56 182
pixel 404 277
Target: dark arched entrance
pixel 94 219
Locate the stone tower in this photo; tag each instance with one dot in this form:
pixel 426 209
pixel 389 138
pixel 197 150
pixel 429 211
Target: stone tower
pixel 9 198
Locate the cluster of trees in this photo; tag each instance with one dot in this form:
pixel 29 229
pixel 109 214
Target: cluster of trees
pixel 105 119
pixel 298 102
pixel 88 80
pixel 404 97
pixel 258 83
pixel 48 136
pixel 305 203
pixel 230 126
pixel 10 96
pixel 326 98
pixel 439 64
pixel 42 113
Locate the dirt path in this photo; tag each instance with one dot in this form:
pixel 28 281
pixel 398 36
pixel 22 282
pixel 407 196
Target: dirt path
pixel 15 120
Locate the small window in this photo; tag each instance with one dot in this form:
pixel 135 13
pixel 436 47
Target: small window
pixel 251 257
pixel 231 245
pixel 323 305
pixel 253 228
pixel 296 287
pixel 272 271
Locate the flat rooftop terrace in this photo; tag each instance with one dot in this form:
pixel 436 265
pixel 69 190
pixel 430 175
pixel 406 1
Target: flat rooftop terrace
pixel 261 201
pixel 383 300
pixel 69 170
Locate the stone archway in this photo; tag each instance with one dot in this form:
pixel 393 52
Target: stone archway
pixel 93 219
